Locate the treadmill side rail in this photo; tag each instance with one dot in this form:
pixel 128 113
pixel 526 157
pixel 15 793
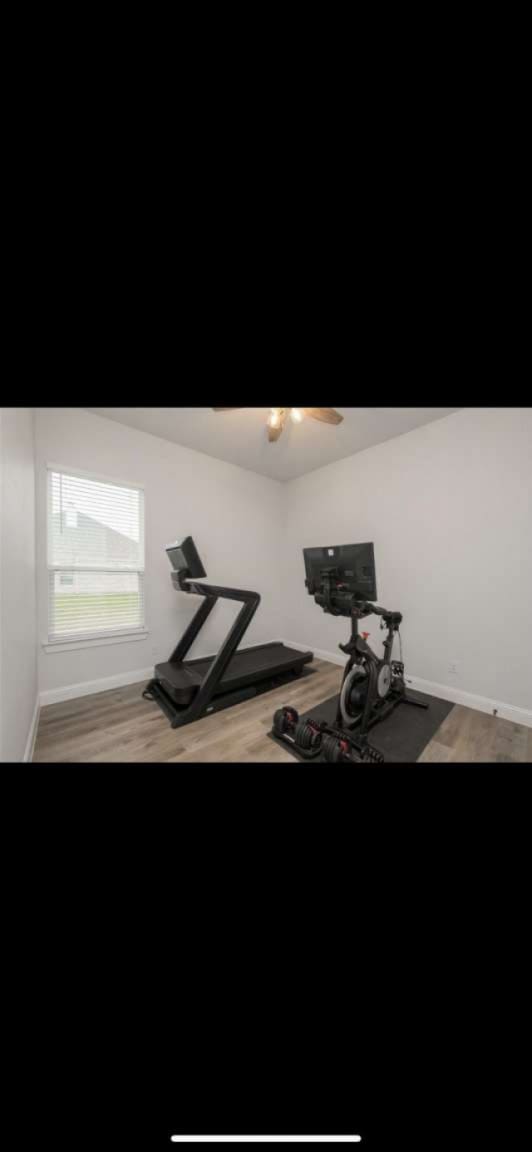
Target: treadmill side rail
pixel 250 603
pixel 196 624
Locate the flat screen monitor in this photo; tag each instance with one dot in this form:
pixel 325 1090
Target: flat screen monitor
pixel 353 564
pixel 184 557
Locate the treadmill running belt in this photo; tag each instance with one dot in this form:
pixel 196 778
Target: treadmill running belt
pixel 248 666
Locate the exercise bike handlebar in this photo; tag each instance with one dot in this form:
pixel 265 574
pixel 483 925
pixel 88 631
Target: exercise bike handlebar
pixel 393 619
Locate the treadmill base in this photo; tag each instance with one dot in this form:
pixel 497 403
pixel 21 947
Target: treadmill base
pixel 178 717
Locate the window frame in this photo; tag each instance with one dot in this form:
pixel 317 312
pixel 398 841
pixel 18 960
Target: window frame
pixel 69 641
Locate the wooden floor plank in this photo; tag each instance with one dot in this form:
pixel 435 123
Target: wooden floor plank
pixel 436 753
pixel 475 742
pixel 453 726
pixel 121 727
pixel 511 742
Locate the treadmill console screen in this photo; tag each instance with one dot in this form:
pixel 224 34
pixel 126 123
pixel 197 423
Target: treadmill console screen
pixel 184 558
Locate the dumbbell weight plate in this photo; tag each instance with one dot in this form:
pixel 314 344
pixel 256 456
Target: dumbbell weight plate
pixel 283 719
pixel 304 736
pixel 331 749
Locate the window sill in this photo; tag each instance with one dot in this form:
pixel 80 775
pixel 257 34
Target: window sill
pixel 94 642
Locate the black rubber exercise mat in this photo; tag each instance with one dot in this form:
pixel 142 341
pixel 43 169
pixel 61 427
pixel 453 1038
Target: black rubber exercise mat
pixel 401 737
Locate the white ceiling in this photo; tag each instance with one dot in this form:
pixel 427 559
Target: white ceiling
pixel 240 436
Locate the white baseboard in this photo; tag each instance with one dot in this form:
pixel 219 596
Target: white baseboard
pixel 444 691
pixel 105 684
pixel 471 700
pixel 90 687
pixel 30 742
pixel 320 653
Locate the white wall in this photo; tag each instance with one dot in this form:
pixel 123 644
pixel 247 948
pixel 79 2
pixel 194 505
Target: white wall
pixel 447 506
pixel 449 509
pixel 18 619
pixel 233 515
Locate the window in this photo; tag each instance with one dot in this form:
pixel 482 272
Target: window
pixel 95 558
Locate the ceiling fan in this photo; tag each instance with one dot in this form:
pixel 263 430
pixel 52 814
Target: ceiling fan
pixel 278 417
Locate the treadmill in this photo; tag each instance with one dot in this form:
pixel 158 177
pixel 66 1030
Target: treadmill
pixel 188 689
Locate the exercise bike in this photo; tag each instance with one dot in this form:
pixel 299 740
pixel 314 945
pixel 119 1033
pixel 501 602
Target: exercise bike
pixel 371 686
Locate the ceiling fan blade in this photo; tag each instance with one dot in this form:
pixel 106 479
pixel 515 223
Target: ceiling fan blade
pixel 274 433
pixel 328 415
pixel 227 409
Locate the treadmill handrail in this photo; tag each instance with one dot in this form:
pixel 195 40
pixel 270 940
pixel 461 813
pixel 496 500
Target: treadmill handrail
pixel 212 593
pixel 181 584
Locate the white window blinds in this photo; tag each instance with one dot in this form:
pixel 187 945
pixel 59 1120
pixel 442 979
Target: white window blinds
pixel 95 557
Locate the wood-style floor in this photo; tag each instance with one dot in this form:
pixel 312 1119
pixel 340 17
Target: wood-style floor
pixel 120 726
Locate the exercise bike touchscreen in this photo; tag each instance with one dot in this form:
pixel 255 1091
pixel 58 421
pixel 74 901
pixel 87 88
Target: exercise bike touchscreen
pixel 351 565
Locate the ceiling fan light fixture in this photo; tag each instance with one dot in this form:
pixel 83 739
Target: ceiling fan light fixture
pixel 277 418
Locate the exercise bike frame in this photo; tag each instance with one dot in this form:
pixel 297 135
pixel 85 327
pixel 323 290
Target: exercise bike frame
pixel 359 652
pixel 337 602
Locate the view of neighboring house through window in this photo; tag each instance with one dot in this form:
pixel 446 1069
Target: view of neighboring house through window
pixel 95 557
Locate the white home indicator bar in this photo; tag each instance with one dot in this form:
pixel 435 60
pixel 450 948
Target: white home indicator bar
pixel 266 1139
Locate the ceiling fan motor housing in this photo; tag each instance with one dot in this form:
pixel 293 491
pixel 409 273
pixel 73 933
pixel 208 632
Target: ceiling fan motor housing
pixel 277 418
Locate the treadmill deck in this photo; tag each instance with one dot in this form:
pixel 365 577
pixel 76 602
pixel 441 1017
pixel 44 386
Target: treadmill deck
pixel 246 667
